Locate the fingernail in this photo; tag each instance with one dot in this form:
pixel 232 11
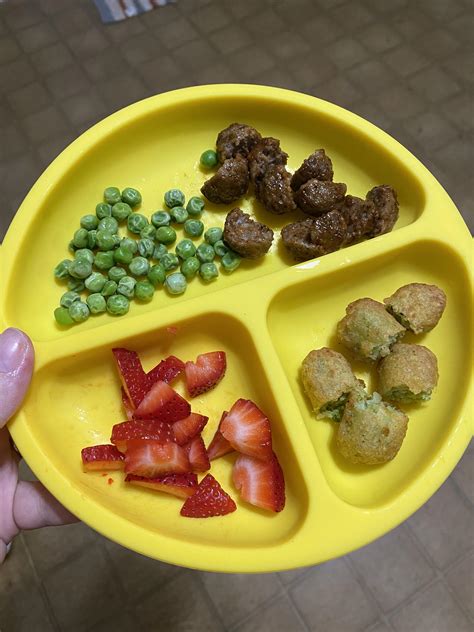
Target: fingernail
pixel 13 347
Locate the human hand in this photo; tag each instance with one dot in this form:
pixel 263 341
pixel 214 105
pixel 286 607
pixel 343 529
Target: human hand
pixel 23 505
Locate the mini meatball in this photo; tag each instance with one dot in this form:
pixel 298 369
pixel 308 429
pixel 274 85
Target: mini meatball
pixel 229 183
pixel 265 153
pixel 371 431
pixel 318 166
pixel 417 306
pixel 236 140
pixel 384 198
pixel 249 238
pixel 274 190
pixel 316 197
pixel 409 373
pixel 327 380
pixel 359 216
pixel 367 331
pixel 315 236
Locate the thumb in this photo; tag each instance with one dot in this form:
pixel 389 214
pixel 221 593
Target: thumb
pixel 17 358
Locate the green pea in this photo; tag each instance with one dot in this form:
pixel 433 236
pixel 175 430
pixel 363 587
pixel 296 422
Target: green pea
pixel 159 251
pixel 220 248
pixel 108 224
pixel 109 288
pixel 129 244
pixel 92 239
pixel 117 305
pixel 80 268
pixel 193 227
pixel 185 249
pixel 121 255
pixel 166 235
pixel 190 266
pixel 176 283
pixel 61 314
pixel 231 261
pixel 146 247
pixel 148 232
pixel 208 159
pixel 156 275
pixel 179 214
pixel 106 240
pixel 103 210
pixel 71 247
pixel 112 195
pixel 195 206
pixel 169 261
pixel 80 238
pixel 139 266
pixel 84 253
pixel 68 298
pixel 131 196
pixel 75 285
pixel 213 235
pixel 144 291
pixel 79 311
pixel 96 303
pixel 174 197
pixel 205 253
pixel 104 260
pixel 89 222
pixel 161 218
pixel 95 282
pixel 136 222
pixel 121 211
pixel 126 286
pixel 116 273
pixel 208 271
pixel 61 271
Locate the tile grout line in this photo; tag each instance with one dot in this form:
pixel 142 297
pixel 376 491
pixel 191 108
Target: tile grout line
pixel 209 600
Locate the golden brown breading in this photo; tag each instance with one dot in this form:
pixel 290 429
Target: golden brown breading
pixel 408 373
pixel 417 306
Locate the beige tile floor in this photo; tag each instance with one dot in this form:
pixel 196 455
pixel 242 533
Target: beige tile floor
pixel 405 65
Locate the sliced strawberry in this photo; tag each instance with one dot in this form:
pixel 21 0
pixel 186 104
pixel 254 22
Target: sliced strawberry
pixel 140 429
pixel 101 457
pixel 163 403
pixel 248 429
pixel 181 485
pixel 132 375
pixel 260 483
pixel 166 371
pixel 219 446
pixel 197 455
pixel 208 500
pixel 152 458
pixel 187 428
pixel 127 404
pixel 205 373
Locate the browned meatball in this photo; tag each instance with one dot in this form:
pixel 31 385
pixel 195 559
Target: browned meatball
pixel 360 218
pixel 265 153
pixel 384 198
pixel 318 166
pixel 247 237
pixel 236 140
pixel 274 191
pixel 229 183
pixel 315 236
pixel 316 197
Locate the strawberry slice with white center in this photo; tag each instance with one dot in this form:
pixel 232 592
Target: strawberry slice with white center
pixel 127 404
pixel 163 403
pixel 247 429
pixel 260 483
pixel 132 375
pixel 197 455
pixel 152 458
pixel 140 429
pixel 208 500
pixel 219 445
pixel 185 429
pixel 181 485
pixel 167 370
pixel 101 457
pixel 205 373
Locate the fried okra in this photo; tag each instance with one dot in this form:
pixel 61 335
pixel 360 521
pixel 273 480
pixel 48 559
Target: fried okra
pixel 409 373
pixel 327 380
pixel 371 431
pixel 417 306
pixel 368 329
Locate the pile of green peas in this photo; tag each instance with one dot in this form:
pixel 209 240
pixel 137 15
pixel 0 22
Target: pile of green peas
pixel 113 268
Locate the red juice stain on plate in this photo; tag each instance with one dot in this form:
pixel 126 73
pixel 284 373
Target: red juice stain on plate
pixel 110 481
pixel 173 330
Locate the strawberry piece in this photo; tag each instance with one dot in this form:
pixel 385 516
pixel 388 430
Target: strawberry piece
pixel 152 458
pixel 197 455
pixel 208 500
pixel 132 375
pixel 219 446
pixel 166 371
pixel 248 429
pixel 181 485
pixel 205 373
pixel 101 457
pixel 127 404
pixel 187 428
pixel 163 403
pixel 140 429
pixel 260 483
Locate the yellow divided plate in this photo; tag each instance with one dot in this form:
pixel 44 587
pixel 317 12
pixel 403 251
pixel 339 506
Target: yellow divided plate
pixel 266 317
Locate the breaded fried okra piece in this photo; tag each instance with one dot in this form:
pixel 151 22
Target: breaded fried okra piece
pixel 409 373
pixel 417 306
